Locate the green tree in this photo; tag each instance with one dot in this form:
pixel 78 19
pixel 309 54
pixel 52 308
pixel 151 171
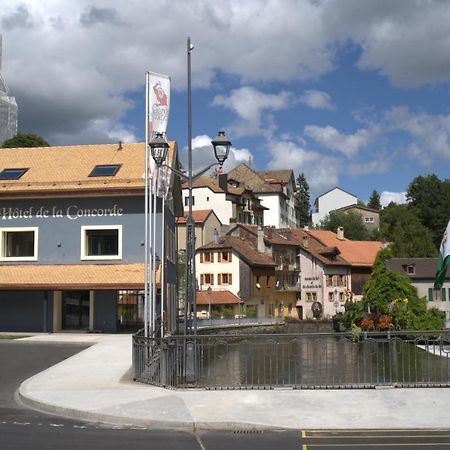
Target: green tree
pixel 392 295
pixel 354 228
pixel 374 201
pixel 25 140
pixel 403 229
pixel 429 199
pixel 303 199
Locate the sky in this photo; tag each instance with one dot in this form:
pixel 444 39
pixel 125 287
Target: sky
pixel 352 93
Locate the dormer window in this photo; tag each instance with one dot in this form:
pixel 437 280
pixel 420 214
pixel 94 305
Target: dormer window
pixel 411 269
pixel 12 174
pixel 105 170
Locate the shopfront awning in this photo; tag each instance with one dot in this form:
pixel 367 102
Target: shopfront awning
pixel 72 277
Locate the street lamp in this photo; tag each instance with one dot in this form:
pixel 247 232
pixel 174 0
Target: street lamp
pixel 159 148
pixel 221 147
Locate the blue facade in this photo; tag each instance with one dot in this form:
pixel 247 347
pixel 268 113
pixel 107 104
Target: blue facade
pixel 59 223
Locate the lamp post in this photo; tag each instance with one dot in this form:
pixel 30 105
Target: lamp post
pixel 159 147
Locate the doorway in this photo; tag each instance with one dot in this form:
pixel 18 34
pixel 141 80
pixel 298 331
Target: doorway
pixel 75 310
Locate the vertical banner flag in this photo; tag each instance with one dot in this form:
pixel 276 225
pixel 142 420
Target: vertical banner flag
pixel 444 258
pixel 159 102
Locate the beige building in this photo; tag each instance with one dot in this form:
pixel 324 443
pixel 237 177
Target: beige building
pixel 205 222
pixel 370 217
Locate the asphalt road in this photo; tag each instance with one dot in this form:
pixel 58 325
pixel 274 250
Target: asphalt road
pixel 25 429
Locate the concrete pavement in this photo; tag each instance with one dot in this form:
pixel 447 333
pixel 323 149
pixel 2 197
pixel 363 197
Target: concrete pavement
pixel 95 385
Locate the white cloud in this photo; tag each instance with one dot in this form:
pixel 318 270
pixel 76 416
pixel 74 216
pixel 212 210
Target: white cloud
pixel 249 104
pixel 387 197
pixel 430 134
pixel 70 64
pixel 377 166
pixel 329 137
pixel 317 99
pixel 322 171
pixel 203 155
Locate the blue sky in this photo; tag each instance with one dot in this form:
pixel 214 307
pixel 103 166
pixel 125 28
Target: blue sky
pixel 353 93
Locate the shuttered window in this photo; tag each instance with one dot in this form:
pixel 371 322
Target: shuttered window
pixel 430 294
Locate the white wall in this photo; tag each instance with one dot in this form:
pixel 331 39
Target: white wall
pixel 313 278
pixel 205 198
pixel 216 268
pixel 272 216
pixel 330 201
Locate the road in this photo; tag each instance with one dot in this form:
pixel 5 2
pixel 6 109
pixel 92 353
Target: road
pixel 25 429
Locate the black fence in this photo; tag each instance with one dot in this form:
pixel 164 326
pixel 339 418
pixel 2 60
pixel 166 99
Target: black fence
pixel 299 361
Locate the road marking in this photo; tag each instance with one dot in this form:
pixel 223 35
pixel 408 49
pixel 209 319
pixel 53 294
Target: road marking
pixel 200 443
pixel 387 436
pixel 304 447
pixel 303 434
pixel 360 444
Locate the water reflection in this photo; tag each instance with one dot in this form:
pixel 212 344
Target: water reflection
pixel 318 361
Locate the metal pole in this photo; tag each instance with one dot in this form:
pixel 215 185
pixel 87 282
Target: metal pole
pixel 163 257
pixel 190 237
pixel 153 283
pixel 146 243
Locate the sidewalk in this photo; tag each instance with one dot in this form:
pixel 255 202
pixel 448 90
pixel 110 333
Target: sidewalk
pixel 95 385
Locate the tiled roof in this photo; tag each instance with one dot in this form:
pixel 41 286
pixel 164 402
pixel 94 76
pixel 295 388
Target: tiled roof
pixel 424 268
pixel 53 169
pixel 72 276
pixel 356 206
pixel 199 216
pixel 205 181
pixel 217 298
pixel 244 248
pixel 277 175
pixel 326 255
pixel 250 179
pixel 357 253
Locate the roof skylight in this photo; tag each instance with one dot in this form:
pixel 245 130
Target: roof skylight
pixel 105 170
pixel 12 174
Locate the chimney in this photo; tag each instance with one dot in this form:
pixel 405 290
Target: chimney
pixel 216 236
pixel 223 182
pixel 306 241
pixel 340 233
pixel 260 244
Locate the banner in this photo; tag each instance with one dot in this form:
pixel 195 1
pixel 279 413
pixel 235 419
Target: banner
pixel 158 103
pixel 444 258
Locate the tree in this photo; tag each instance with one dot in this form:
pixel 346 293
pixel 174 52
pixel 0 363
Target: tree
pixel 408 237
pixel 354 228
pixel 429 199
pixel 25 140
pixel 374 201
pixel 393 301
pixel 303 200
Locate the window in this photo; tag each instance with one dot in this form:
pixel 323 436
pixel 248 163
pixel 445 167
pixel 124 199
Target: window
pixel 101 242
pixel 224 257
pixel 329 280
pixel 186 201
pixel 311 296
pixel 105 170
pixel 410 269
pixel 207 278
pixel 224 278
pixel 369 219
pixel 330 296
pixel 19 244
pixel 12 174
pixel 206 257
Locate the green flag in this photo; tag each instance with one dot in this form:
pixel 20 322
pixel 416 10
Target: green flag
pixel 444 258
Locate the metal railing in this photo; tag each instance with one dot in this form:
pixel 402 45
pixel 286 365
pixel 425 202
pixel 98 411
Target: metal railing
pixel 299 361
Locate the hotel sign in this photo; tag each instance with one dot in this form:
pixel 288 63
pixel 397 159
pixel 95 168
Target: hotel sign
pixel 72 212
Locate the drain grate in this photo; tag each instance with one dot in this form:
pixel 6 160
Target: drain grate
pixel 249 431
